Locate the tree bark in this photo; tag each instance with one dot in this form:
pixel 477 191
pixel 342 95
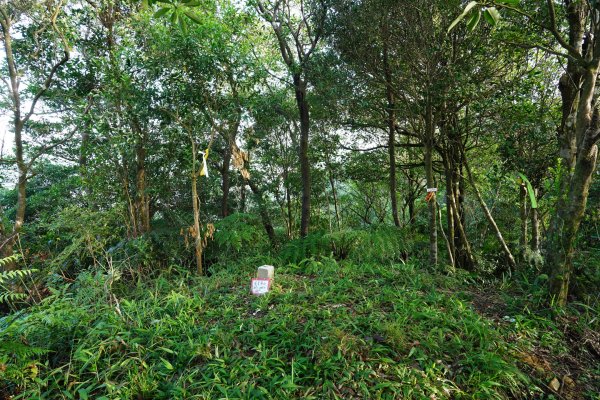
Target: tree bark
pixel 197 235
pixel 391 122
pixel 468 253
pixel 428 159
pixel 566 221
pixel 411 197
pixel 449 214
pixel 225 182
pixel 535 228
pixel 262 209
pixel 335 199
pixel 290 214
pixel 447 241
pixel 198 249
pixel 243 197
pixel 300 91
pixel 230 139
pixel 523 213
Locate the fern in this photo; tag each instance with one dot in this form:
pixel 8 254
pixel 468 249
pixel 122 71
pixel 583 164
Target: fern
pixel 6 293
pixel 9 260
pixel 10 296
pixel 17 273
pixel 21 350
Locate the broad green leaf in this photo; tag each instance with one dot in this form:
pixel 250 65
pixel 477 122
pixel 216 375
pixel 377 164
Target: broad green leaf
pixel 161 12
pixel 494 14
pixel 183 25
pixel 488 17
pixel 529 190
pixel 193 17
pixel 474 21
pixel 510 2
pixel 468 8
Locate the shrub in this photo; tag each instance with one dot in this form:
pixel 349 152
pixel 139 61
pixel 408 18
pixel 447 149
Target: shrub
pixel 78 237
pixel 378 244
pixel 237 235
pixel 312 245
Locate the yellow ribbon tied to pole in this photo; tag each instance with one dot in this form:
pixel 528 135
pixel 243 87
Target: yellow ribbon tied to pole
pixel 204 170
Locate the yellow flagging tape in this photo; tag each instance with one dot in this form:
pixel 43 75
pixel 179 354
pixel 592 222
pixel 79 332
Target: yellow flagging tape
pixel 204 170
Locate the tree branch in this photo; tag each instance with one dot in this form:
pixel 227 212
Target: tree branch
pixel 554 30
pixel 46 85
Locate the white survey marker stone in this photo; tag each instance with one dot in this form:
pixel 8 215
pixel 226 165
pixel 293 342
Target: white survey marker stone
pixel 266 272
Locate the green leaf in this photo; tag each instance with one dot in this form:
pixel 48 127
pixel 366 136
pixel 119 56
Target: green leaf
pixel 468 8
pixel 488 17
pixel 167 364
pixel 495 14
pixel 509 2
pixel 161 12
pixel 83 394
pixel 183 25
pixel 193 17
pixel 529 190
pixel 474 21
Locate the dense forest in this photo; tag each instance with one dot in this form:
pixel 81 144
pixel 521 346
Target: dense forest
pixel 422 175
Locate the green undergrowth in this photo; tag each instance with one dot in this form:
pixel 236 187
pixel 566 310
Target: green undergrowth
pixel 381 244
pixel 327 330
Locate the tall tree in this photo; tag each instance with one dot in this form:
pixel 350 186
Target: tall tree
pixel 28 78
pixel 298 29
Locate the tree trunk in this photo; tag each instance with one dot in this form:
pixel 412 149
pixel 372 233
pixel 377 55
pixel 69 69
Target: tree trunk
pixel 523 213
pixel 197 233
pixel 243 197
pixel 83 149
pixel 300 91
pixel 18 125
pixel 225 182
pixel 470 262
pixel 535 228
pixel 566 221
pixel 335 199
pixel 428 147
pixel 232 134
pixel 391 122
pixel 290 215
pixel 449 214
pixel 262 209
pixel 410 200
pixel 10 241
pixel 130 220
pixel 446 240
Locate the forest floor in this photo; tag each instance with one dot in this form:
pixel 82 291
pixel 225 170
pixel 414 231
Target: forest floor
pixel 327 330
